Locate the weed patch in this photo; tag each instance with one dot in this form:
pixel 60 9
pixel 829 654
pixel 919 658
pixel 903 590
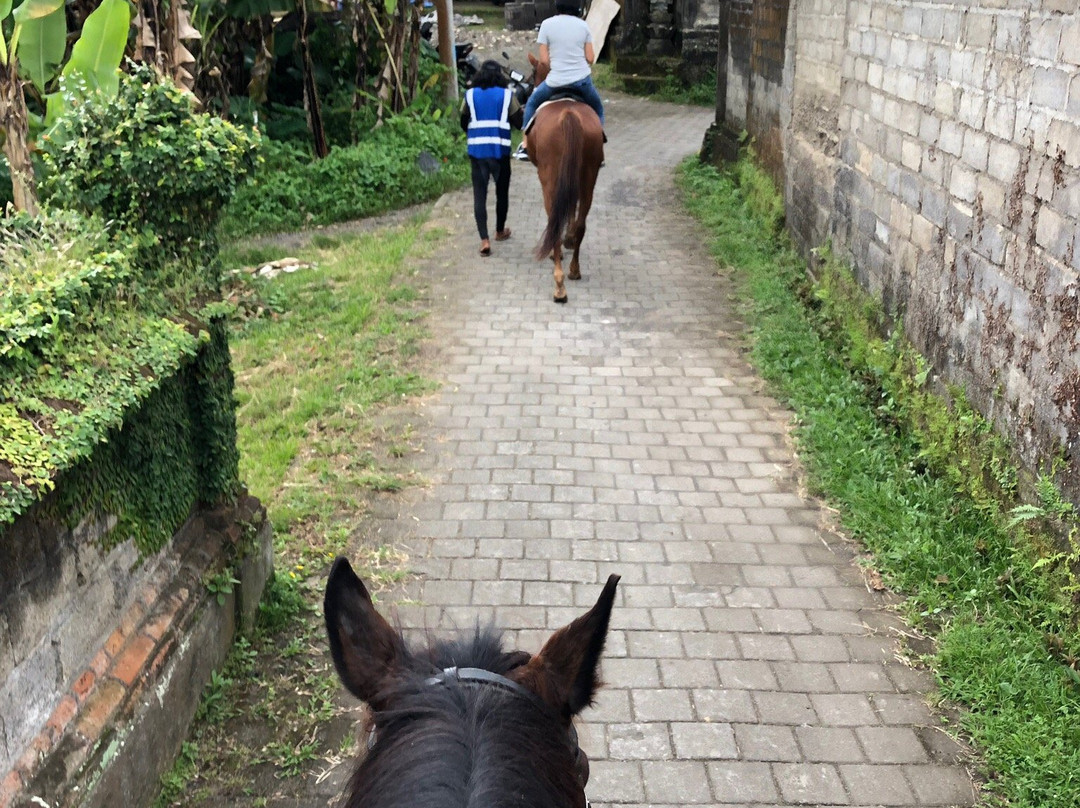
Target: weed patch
pixel 671 89
pixel 314 371
pixel 938 523
pixel 291 190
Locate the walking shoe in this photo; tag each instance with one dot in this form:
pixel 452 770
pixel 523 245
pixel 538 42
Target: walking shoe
pixel 520 154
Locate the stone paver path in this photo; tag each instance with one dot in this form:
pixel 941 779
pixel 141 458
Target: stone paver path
pixel 747 662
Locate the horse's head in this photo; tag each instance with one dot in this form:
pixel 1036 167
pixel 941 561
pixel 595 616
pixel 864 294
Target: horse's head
pixel 465 718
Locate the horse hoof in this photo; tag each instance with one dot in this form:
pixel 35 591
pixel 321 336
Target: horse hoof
pixel 562 299
pixel 574 276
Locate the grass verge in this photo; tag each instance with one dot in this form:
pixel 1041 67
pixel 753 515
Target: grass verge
pixel 406 161
pixel 493 15
pixel 671 89
pixel 320 355
pixel 991 591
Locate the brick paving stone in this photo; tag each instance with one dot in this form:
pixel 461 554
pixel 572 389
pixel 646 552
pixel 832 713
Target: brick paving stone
pixel 662 705
pixel 810 783
pixel 941 785
pixel 829 745
pixel 685 782
pixel 723 705
pixel 710 645
pixel 765 646
pixel 617 780
pixel 641 741
pixel 766 742
pixel 704 740
pixel 741 781
pixel 746 663
pixel 877 785
pixel 891 744
pixel 784 708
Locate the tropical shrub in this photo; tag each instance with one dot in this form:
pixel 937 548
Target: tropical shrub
pixel 147 160
pixel 406 161
pixel 119 386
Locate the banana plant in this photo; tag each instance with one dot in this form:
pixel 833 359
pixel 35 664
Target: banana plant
pixel 35 51
pixel 95 58
pixel 34 31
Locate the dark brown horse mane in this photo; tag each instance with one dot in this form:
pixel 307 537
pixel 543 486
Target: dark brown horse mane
pixel 454 744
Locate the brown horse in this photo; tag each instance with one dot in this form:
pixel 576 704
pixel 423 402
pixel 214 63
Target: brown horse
pixel 566 144
pixel 464 722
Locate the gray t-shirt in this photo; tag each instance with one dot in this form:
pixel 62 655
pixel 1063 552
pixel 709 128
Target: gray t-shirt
pixel 565 37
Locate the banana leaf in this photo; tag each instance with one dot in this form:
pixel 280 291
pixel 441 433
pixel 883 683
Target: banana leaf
pixel 42 46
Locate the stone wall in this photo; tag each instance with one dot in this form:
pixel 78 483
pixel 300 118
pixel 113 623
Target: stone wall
pixel 103 653
pixel 938 145
pixel 696 24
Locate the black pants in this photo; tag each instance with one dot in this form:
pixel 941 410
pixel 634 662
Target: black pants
pixel 483 169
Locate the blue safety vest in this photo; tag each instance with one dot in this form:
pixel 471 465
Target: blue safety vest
pixel 489 124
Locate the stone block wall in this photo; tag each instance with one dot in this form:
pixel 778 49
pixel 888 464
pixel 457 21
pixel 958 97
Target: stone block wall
pixel 767 97
pixel 938 145
pixel 103 653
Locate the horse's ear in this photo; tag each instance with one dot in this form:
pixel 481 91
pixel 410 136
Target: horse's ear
pixel 566 672
pixel 367 651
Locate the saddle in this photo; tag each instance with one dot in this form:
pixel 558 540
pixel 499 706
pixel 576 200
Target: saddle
pixel 560 94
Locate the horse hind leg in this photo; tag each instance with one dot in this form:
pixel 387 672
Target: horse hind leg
pixel 570 233
pixel 578 229
pixel 575 264
pixel 560 287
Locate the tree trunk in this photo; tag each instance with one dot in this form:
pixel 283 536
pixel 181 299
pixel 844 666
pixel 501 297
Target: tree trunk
pixel 14 125
pixel 360 19
pixel 413 47
pixel 447 51
pixel 311 92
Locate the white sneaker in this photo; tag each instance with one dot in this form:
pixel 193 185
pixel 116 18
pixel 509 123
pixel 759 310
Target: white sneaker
pixel 520 154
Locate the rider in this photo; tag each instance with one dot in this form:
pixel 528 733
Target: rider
pixel 566 47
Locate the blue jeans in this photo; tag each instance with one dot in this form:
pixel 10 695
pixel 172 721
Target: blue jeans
pixel 543 92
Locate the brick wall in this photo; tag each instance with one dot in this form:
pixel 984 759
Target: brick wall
pixel 740 41
pixel 766 100
pixel 938 145
pixel 103 654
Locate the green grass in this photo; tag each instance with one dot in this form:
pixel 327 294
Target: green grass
pixel 671 90
pixel 308 378
pixel 320 356
pixel 1006 638
pixel 493 16
pixel 291 190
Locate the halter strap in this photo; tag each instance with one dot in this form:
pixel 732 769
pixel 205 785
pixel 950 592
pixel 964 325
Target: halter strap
pixel 487 677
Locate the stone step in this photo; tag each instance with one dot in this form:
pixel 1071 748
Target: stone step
pixel 643 85
pixel 635 64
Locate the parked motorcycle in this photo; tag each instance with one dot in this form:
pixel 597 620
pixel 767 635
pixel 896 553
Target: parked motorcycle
pixel 517 83
pixel 467 62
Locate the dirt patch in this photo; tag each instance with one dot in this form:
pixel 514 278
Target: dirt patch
pixel 295 241
pixel 492 44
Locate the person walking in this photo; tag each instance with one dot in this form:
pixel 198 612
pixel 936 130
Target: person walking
pixel 566 48
pixel 487 113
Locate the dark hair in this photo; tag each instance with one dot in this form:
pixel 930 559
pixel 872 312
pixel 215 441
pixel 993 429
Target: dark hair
pixel 490 74
pixel 570 7
pixel 456 739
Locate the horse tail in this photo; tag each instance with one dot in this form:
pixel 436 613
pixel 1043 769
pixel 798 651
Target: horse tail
pixel 567 185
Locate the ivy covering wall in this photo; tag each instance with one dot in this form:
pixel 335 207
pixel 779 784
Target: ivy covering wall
pixel 114 390
pixel 115 385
